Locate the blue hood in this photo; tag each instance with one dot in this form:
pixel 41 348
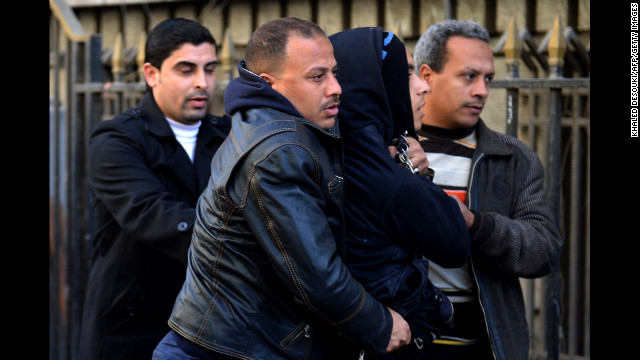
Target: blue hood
pixel 249 91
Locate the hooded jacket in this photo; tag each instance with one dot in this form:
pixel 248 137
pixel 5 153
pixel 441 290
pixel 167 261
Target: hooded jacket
pixel 393 216
pixel 265 275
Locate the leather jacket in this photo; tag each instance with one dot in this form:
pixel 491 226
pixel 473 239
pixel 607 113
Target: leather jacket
pixel 265 277
pixel 506 190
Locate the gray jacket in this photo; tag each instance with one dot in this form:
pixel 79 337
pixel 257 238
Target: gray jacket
pixel 516 235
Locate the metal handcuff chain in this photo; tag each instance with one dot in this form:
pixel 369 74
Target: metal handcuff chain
pixel 403 156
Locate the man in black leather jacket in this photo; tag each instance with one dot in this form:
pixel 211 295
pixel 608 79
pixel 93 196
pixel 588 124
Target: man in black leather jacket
pixel 147 168
pixel 265 278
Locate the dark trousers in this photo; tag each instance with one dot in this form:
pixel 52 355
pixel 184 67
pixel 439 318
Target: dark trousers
pixel 134 339
pixel 174 346
pixel 468 324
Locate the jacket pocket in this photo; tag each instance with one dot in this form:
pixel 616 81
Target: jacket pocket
pixel 300 334
pixel 123 308
pixel 335 184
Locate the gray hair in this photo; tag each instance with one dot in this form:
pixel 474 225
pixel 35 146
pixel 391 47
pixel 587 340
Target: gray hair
pixel 431 49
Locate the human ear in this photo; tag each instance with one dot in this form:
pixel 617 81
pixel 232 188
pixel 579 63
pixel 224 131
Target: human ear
pixel 425 72
pixel 268 78
pixel 151 74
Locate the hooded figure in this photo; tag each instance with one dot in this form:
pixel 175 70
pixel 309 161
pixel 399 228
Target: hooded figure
pixel 395 218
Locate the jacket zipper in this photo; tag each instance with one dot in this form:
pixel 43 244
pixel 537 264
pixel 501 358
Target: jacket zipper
pixel 475 277
pixel 305 332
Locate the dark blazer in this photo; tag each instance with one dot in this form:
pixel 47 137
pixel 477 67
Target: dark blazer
pixel 144 190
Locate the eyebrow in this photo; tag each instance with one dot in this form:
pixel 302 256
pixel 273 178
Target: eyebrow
pixel 189 63
pixel 322 69
pixel 475 71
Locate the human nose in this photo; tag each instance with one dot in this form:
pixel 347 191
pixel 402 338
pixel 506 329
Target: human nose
pixel 423 87
pixel 334 87
pixel 481 88
pixel 200 80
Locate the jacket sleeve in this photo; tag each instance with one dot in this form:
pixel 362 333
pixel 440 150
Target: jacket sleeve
pixel 130 191
pixel 296 236
pixel 425 218
pixel 525 242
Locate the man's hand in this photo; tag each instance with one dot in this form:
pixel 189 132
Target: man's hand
pixel 400 334
pixel 469 217
pixel 416 155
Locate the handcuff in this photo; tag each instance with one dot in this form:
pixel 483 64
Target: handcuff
pixel 402 156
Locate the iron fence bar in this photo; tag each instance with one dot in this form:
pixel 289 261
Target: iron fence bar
pixel 65 223
pixel 513 53
pixel 587 253
pixel 532 142
pixel 553 179
pixel 93 112
pixel 75 197
pixel 54 241
pixel 558 82
pixel 512 111
pixel 573 240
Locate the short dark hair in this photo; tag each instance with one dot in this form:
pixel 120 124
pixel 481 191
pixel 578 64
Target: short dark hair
pixel 170 34
pixel 431 48
pixel 267 47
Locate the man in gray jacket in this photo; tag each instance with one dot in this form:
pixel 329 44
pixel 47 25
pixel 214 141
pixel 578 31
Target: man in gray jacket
pixel 499 180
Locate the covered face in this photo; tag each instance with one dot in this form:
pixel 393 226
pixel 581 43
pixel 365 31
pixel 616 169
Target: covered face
pixel 374 76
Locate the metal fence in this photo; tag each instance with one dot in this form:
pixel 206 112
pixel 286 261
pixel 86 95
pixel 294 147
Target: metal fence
pixel 551 114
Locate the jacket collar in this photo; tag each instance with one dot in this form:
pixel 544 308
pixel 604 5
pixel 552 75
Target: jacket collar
pixel 155 119
pixel 157 124
pixel 489 142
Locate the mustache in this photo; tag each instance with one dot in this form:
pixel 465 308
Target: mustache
pixel 198 94
pixel 335 101
pixel 477 102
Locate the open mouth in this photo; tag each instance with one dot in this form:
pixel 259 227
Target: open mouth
pixel 199 101
pixel 331 110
